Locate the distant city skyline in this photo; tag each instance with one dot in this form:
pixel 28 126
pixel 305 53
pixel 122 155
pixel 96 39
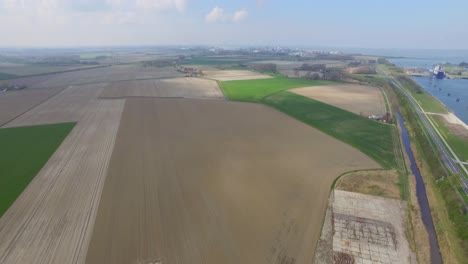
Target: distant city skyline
pixel 342 24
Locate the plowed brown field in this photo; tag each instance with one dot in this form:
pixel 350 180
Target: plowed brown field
pixel 52 220
pixel 209 181
pixel 15 103
pixel 98 75
pixel 68 105
pixel 175 87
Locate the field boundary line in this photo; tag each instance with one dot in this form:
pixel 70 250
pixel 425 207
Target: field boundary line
pixel 31 108
pixel 57 72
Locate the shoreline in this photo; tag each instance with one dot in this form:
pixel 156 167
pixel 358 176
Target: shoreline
pixel 450 116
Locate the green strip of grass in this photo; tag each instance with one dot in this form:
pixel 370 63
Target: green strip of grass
pixel 458 144
pixel 23 152
pixel 370 137
pixel 5 76
pixel 429 103
pixel 256 90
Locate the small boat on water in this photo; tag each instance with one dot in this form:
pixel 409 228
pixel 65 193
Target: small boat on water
pixel 438 72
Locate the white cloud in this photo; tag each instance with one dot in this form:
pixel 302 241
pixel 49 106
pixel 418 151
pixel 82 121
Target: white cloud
pixel 217 14
pixel 240 15
pixel 161 5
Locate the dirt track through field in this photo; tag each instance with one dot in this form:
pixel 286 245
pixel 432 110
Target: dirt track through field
pixel 359 99
pixel 209 181
pixel 175 87
pixel 52 220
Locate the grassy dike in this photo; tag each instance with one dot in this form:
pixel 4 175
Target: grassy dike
pixel 458 144
pixel 450 219
pixel 427 101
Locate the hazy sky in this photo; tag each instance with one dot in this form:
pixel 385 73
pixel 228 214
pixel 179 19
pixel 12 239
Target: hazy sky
pixel 441 24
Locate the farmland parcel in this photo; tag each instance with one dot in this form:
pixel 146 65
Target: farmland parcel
pixel 372 138
pixel 256 90
pixel 358 99
pixel 15 103
pixel 173 87
pixel 52 220
pixel 209 181
pixel 23 152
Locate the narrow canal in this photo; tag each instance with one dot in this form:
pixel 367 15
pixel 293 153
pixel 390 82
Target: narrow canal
pixel 436 257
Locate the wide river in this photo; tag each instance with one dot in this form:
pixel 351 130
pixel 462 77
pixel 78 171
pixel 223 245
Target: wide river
pixel 452 92
pixel 448 91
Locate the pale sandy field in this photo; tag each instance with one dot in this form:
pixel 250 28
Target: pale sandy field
pixel 359 99
pixel 52 220
pixel 234 75
pixel 210 181
pixel 174 87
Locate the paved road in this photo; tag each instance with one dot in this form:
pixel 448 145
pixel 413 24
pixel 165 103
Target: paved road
pixel 461 162
pixel 448 157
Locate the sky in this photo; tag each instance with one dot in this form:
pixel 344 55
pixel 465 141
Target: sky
pixel 429 24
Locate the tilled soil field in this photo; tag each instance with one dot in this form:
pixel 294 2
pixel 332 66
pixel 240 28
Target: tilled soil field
pixel 174 87
pixel 234 75
pixel 68 105
pixel 359 99
pixel 15 103
pixel 209 181
pixel 52 220
pixel 98 75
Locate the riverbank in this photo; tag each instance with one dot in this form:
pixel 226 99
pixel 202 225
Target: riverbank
pixel 453 94
pixel 446 204
pixel 453 128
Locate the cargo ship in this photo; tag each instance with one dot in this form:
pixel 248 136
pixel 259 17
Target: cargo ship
pixel 438 72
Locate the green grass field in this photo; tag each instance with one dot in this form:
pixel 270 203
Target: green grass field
pixel 429 103
pixel 23 152
pixel 256 90
pixel 370 137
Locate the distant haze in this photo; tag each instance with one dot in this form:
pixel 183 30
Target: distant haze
pixel 341 23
